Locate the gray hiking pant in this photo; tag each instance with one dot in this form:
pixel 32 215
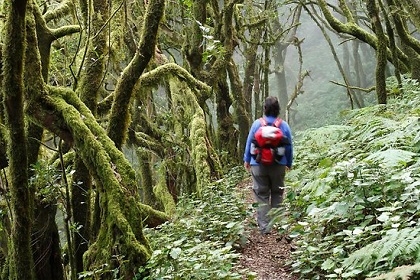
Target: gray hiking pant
pixel 268 191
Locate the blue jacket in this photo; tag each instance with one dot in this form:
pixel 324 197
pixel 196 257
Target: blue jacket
pixel 287 159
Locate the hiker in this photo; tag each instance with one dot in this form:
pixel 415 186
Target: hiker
pixel 268 164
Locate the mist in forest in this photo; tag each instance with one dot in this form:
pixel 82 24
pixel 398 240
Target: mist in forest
pixel 321 101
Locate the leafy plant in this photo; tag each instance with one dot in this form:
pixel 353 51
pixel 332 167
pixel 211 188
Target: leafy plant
pixel 355 190
pixel 402 272
pixel 395 246
pixel 46 181
pixel 200 242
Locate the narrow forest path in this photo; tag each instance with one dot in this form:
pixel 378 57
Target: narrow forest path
pixel 265 255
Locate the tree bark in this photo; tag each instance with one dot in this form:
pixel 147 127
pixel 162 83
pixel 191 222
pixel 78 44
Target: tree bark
pixel 88 89
pixel 279 53
pixel 241 114
pixel 412 7
pixel 250 64
pixel 410 45
pixel 46 252
pixel 194 42
pixel 122 214
pixel 20 262
pixel 381 51
pixel 120 119
pixel 46 243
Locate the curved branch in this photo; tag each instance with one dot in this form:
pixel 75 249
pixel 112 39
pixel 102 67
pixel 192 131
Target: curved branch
pixel 356 31
pixel 64 31
pixel 146 141
pixel 61 111
pixel 367 90
pixel 153 77
pixel 402 31
pixel 64 8
pixel 119 119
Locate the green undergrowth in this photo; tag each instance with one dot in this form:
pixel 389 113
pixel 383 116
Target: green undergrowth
pixel 203 238
pixel 352 207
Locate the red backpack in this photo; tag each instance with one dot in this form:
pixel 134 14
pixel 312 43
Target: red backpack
pixel 267 144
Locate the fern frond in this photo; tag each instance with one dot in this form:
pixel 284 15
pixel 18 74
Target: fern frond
pixel 405 242
pixel 388 244
pixel 414 245
pixel 405 272
pixel 361 258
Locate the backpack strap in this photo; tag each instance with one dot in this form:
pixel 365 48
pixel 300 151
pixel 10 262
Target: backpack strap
pixel 277 122
pixel 263 122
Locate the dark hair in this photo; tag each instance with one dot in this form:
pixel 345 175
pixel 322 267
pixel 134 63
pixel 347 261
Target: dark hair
pixel 271 106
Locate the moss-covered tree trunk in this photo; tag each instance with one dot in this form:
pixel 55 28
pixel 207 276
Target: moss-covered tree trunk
pixel 47 251
pixel 254 24
pixel 88 89
pixel 192 115
pixel 151 148
pixel 120 114
pixel 412 7
pixel 120 242
pixel 184 148
pixel 381 51
pixel 279 56
pixel 194 46
pixel 241 114
pixel 353 29
pixel 20 253
pixel 410 45
pixel 250 65
pixel 63 113
pixel 46 248
pixel 226 134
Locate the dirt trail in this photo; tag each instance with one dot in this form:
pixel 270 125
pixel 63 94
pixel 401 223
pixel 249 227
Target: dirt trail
pixel 266 255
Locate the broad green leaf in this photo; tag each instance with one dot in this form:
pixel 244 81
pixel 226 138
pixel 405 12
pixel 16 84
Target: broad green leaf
pixel 231 224
pixel 328 264
pixel 326 162
pixel 392 157
pixel 175 253
pixel 384 217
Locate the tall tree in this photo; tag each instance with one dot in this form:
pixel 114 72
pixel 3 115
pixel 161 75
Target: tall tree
pixel 88 88
pixel 284 36
pixel 381 50
pixel 13 59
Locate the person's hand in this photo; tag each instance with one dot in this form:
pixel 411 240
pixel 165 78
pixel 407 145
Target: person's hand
pixel 288 168
pixel 247 166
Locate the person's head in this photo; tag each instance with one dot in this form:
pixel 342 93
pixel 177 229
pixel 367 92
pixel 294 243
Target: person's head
pixel 271 106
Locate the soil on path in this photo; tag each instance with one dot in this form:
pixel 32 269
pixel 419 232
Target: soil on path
pixel 264 254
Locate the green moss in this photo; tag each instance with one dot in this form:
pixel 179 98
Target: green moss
pixel 121 212
pixel 162 193
pixel 13 57
pixel 120 117
pixel 191 120
pixel 199 150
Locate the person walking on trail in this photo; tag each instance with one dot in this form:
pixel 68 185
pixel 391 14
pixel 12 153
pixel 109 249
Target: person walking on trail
pixel 268 163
